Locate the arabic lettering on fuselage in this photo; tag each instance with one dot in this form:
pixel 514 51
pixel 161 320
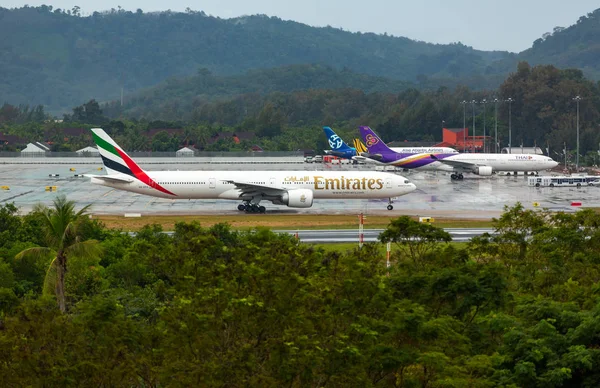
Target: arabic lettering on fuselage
pixel 297 179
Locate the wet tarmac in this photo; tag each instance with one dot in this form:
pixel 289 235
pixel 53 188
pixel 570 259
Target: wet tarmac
pixel 436 194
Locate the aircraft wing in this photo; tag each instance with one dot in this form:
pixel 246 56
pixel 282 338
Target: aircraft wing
pixel 456 163
pixel 251 188
pixel 109 178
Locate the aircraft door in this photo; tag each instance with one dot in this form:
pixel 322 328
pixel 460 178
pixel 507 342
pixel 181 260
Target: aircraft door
pixel 388 183
pixel 212 183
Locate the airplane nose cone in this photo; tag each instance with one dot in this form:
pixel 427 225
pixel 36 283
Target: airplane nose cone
pixel 554 164
pixel 412 187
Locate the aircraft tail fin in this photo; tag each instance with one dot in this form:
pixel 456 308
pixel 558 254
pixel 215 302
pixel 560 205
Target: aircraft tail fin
pixel 115 160
pixel 374 144
pixel 360 146
pixel 335 142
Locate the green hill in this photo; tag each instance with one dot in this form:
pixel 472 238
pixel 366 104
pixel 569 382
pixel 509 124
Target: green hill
pixel 577 46
pixel 177 97
pixel 61 59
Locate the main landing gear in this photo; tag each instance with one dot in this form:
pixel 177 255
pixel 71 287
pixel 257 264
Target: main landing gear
pixel 389 206
pixel 251 207
pixel 459 177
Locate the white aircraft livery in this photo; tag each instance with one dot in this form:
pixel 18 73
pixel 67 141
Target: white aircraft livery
pixel 295 189
pixel 457 164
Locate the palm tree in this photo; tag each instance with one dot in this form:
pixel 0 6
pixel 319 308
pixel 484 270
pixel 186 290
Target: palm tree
pixel 64 241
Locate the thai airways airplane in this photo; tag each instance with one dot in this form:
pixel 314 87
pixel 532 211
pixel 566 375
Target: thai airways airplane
pixel 457 164
pixel 295 189
pixel 340 149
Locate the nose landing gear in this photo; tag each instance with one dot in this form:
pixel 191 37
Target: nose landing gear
pixel 390 206
pixel 459 177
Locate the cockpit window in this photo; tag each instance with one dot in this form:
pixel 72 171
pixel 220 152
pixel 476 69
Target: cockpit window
pixel 406 181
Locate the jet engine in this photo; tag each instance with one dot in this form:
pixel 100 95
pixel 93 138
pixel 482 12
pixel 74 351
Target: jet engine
pixel 483 170
pixel 298 198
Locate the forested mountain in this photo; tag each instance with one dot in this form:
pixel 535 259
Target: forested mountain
pixel 543 111
pixel 177 97
pixel 575 46
pixel 60 59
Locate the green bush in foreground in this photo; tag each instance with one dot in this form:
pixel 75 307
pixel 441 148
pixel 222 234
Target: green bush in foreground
pixel 216 307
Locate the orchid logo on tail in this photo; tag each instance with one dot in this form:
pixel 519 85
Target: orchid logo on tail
pixel 335 142
pixel 371 140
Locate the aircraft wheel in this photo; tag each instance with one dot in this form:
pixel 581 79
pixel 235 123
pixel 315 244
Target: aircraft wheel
pixel 453 177
pixel 262 209
pixel 390 207
pixel 537 185
pixel 460 177
pixel 241 207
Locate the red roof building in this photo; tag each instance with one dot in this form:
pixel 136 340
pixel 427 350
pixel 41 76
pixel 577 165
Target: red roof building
pixel 459 138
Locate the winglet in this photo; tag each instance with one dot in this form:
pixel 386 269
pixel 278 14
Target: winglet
pixel 373 142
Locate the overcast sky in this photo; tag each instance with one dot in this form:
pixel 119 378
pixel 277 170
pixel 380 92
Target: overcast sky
pixel 510 25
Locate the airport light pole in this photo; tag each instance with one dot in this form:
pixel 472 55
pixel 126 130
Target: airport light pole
pixel 473 135
pixel 577 99
pixel 464 104
pixel 509 100
pixel 484 101
pixel 496 125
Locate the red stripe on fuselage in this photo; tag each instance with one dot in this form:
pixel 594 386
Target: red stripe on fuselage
pixel 141 175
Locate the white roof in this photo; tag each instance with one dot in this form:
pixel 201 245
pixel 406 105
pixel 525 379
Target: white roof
pixel 91 150
pixel 185 150
pixel 35 148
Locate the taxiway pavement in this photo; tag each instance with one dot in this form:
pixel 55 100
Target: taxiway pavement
pixel 474 197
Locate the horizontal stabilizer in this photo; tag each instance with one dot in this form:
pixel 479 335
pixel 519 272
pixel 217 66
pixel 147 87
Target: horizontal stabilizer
pixel 377 157
pixel 336 153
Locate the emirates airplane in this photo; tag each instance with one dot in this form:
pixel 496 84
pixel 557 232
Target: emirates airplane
pixel 295 189
pixel 457 164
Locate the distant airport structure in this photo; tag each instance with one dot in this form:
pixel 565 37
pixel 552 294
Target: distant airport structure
pixel 36 149
pixel 460 139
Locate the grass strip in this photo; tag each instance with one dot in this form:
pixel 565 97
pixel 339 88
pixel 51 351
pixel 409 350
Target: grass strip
pixel 276 221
